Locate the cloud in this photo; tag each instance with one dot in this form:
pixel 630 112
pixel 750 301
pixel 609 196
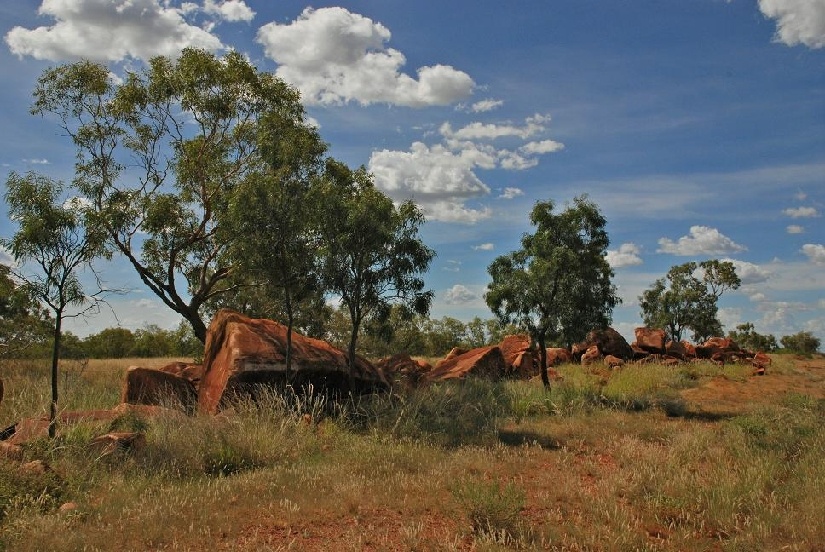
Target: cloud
pixel 626 255
pixel 439 180
pixel 795 229
pixel 230 10
pixel 334 56
pixel 801 212
pixel 815 252
pixel 543 146
pixel 459 294
pixel 6 257
pixel 491 131
pixel 486 105
pixel 452 266
pixel 484 247
pixel 797 21
pixel 701 241
pixel 510 193
pixel 37 161
pixel 749 273
pixel 110 30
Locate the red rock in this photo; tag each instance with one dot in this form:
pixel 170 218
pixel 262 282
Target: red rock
pixel 613 362
pixel 156 387
pixel 401 368
pixel 241 351
pixel 487 362
pixel 681 350
pixel 125 440
pixel 187 371
pixel 520 358
pixel 650 340
pixel 761 360
pixel 610 342
pixel 558 355
pixel 591 355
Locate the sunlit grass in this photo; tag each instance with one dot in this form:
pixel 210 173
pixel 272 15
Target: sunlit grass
pixel 602 461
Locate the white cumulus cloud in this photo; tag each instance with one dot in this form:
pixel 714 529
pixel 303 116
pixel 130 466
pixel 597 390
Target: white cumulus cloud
pixel 439 180
pixel 483 106
pixel 484 247
pixel 815 252
pixel 109 30
pixel 626 255
pixel 701 241
pixel 795 229
pixel 230 10
pixel 801 212
pixel 510 193
pixel 797 21
pixel 459 294
pixel 334 56
pixel 749 273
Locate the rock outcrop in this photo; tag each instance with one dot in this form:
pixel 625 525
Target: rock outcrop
pixel 485 362
pixel 651 340
pixel 161 387
pixel 241 352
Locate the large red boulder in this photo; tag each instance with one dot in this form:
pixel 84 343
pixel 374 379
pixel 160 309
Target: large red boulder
pixel 683 350
pixel 485 362
pixel 520 359
pixel 719 347
pixel 401 368
pixel 558 355
pixel 651 340
pixel 241 352
pixel 158 387
pixel 591 355
pixel 610 342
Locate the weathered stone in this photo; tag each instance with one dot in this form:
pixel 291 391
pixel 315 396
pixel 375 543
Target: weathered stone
pixel 486 362
pixel 681 350
pixel 454 352
pixel 67 507
pixel 651 340
pixel 591 355
pixel 761 360
pixel 717 349
pixel 242 352
pixel 156 387
pixel 11 451
pixel 111 442
pixel 190 372
pixel 520 358
pixel 610 342
pixel 400 368
pixel 613 362
pixel 558 355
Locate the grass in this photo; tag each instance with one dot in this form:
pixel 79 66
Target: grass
pixel 603 461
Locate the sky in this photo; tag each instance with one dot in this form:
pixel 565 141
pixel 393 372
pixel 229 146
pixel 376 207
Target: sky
pixel 698 128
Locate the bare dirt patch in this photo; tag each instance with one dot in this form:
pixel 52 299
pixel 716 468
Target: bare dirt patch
pixel 725 396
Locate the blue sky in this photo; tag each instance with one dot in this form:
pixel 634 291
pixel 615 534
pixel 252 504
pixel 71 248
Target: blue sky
pixel 697 127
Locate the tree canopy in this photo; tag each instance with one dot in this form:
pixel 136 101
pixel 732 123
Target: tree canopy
pixel 687 298
pixel 51 237
pixel 372 254
pixel 558 285
pixel 161 154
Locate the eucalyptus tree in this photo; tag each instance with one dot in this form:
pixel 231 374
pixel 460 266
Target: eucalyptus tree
pixel 559 283
pixel 273 222
pixel 372 254
pixel 687 298
pixel 160 155
pixel 52 241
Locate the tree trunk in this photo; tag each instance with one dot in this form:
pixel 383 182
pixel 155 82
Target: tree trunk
pixel 194 319
pixel 58 322
pixel 545 378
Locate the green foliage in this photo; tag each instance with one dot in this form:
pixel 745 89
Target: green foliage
pixel 25 327
pixel 803 343
pixel 192 131
pixel 371 251
pixel 687 297
pixel 558 285
pixel 746 337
